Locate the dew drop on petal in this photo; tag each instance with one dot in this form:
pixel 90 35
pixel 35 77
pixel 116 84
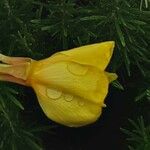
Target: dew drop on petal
pixel 81 103
pixel 53 94
pixel 77 69
pixel 68 97
pixel 104 105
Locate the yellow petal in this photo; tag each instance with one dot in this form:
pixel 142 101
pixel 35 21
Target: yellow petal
pixel 81 80
pixel 67 109
pixel 111 76
pixel 97 55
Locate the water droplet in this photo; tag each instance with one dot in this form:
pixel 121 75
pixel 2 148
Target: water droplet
pixel 81 103
pixel 53 93
pixel 77 69
pixel 104 105
pixel 68 97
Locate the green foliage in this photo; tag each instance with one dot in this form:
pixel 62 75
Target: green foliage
pixel 37 28
pixel 144 94
pixel 14 135
pixel 69 24
pixel 139 136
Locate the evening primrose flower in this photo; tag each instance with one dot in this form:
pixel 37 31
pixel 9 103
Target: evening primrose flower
pixel 70 85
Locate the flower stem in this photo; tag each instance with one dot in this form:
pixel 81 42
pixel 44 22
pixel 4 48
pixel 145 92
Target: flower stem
pixel 14 60
pixel 19 71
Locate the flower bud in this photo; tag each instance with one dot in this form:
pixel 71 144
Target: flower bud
pixel 70 85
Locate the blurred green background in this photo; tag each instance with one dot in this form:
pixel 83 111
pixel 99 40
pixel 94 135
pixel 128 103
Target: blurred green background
pixel 39 28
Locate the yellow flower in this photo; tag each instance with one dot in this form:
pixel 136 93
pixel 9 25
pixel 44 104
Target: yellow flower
pixel 70 85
